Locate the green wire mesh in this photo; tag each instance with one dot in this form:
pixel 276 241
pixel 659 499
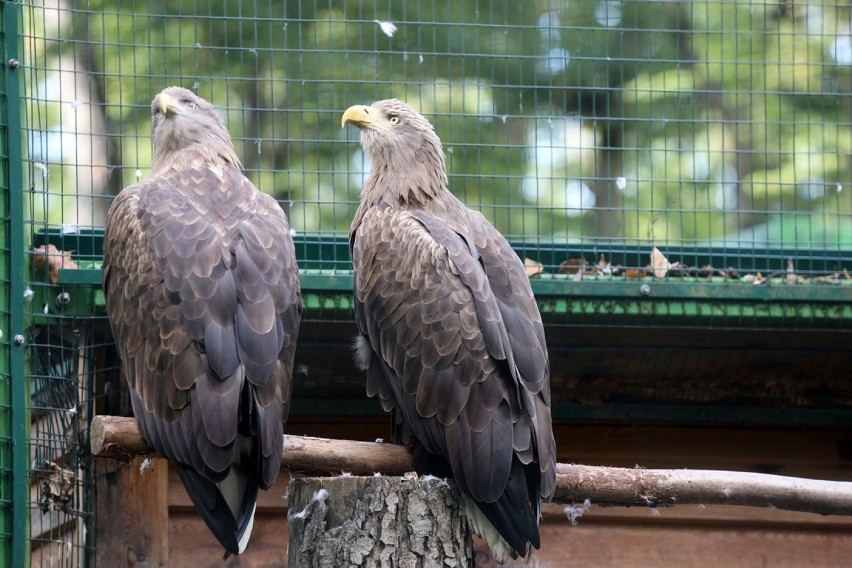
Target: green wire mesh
pixel 588 132
pixel 723 124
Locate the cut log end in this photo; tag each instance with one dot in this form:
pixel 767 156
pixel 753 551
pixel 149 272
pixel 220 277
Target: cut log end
pixel 116 437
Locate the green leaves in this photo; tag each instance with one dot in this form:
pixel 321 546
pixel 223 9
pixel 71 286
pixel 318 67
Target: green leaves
pixel 699 120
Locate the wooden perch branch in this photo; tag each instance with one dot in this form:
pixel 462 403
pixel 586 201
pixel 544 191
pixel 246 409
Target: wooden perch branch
pixel 667 487
pixel 119 438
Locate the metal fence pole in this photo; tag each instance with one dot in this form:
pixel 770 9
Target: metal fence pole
pixel 5 344
pixel 15 290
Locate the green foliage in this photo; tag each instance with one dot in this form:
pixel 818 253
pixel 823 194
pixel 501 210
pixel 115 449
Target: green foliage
pixel 686 122
pixel 757 119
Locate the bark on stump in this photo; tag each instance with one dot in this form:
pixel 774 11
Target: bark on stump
pixel 406 522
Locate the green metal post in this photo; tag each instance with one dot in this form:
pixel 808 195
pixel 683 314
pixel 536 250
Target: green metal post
pixel 5 345
pixel 15 332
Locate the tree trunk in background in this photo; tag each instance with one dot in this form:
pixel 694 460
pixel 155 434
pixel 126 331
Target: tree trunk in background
pixel 377 521
pixel 88 155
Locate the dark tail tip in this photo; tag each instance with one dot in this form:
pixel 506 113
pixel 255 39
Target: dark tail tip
pixel 515 513
pixel 211 505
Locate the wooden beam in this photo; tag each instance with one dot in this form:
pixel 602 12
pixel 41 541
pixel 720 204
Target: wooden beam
pixel 132 513
pixel 114 436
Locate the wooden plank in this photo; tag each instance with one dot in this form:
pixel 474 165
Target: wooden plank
pixel 273 500
pixel 612 544
pixel 132 513
pixel 366 429
pixel 55 553
pixel 791 452
pixel 702 514
pixel 593 363
pixel 191 543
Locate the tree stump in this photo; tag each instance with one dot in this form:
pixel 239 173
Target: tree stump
pixel 378 521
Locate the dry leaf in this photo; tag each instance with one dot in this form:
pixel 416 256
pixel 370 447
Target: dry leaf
pixel 55 260
pixel 533 267
pixel 572 266
pixel 57 490
pixel 659 263
pixel 706 271
pixel 791 277
pixel 753 279
pixel 679 270
pixel 634 273
pixel 831 279
pixel 604 268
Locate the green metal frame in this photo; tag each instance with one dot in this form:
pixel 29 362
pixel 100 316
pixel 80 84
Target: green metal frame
pixel 14 553
pixel 326 285
pixel 6 444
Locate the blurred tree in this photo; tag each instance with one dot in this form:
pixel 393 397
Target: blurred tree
pixel 676 122
pixel 747 142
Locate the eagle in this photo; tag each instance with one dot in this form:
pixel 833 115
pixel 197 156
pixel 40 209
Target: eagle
pixel 449 334
pixel 203 297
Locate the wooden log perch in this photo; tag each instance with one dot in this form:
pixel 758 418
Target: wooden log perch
pixel 119 438
pixel 667 487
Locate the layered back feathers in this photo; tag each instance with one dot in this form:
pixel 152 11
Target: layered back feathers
pixel 450 335
pixel 203 298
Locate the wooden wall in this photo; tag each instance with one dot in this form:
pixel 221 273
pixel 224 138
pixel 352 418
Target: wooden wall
pixel 684 536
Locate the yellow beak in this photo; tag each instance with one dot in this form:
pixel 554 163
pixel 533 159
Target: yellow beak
pixel 168 105
pixel 359 115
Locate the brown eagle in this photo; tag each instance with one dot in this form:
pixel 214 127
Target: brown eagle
pixel 202 293
pixel 450 335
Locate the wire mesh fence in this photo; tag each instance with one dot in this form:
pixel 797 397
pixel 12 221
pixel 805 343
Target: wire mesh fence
pixel 706 123
pixel 590 132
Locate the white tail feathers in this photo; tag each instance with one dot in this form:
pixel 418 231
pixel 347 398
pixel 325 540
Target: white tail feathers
pixel 244 538
pixel 233 489
pixel 480 525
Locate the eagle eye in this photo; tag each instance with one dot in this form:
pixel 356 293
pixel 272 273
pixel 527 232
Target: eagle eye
pixel 393 119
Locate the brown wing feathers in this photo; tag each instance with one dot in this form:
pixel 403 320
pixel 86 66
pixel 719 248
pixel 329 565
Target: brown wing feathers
pixel 456 337
pixel 203 297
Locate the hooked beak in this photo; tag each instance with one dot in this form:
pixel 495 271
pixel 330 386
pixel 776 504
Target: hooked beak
pixel 168 104
pixel 360 116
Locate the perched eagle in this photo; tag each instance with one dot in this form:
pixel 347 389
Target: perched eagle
pixel 450 335
pixel 203 296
